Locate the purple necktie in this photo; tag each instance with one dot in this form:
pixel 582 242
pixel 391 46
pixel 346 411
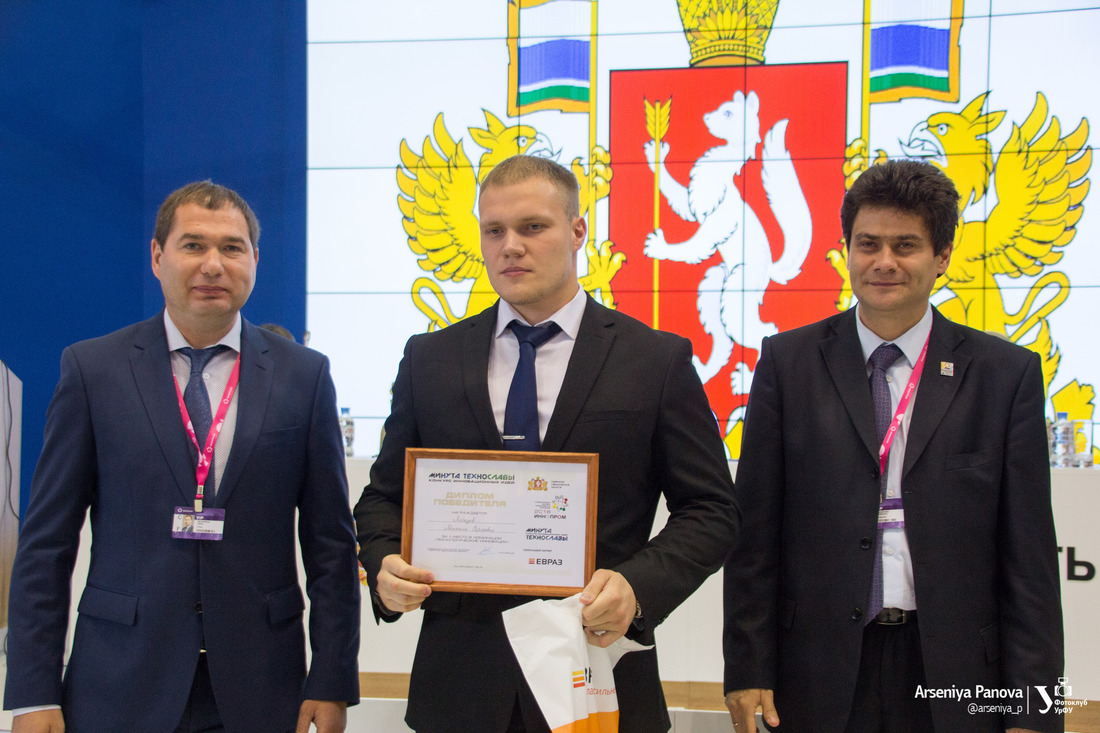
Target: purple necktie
pixel 881 360
pixel 521 412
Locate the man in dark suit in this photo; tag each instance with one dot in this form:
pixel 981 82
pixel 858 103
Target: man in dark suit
pixel 956 515
pixel 203 630
pixel 607 384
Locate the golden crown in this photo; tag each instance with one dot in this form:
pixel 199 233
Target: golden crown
pixel 727 32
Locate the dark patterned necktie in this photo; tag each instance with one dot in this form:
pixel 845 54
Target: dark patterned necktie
pixel 197 400
pixel 521 412
pixel 881 360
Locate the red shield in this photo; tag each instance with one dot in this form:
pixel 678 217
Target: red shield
pixel 812 98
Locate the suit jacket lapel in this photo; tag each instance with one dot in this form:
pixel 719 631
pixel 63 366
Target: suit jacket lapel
pixel 594 339
pixel 257 373
pixel 152 369
pixel 475 369
pixel 844 359
pixel 936 390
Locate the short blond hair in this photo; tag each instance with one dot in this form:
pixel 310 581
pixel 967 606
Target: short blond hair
pixel 520 168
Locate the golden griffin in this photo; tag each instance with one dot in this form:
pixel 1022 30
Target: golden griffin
pixel 1039 177
pixel 438 197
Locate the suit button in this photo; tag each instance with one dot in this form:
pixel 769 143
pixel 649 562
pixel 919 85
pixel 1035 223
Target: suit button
pixel 866 543
pixel 856 614
pixel 198 607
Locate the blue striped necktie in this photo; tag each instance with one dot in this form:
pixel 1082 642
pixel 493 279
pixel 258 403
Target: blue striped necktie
pixel 197 400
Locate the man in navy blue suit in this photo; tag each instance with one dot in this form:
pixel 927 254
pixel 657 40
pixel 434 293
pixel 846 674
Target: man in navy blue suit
pixel 194 413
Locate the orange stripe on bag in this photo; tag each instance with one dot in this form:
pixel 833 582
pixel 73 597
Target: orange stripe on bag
pixel 596 723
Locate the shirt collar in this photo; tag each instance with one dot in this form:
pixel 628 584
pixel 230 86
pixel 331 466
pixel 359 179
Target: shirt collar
pixel 177 341
pixel 568 316
pixel 911 342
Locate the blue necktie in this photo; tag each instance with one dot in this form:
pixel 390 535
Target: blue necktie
pixel 521 412
pixel 881 359
pixel 197 400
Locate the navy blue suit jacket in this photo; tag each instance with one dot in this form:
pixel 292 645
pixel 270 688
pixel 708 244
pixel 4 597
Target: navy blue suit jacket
pixel 115 445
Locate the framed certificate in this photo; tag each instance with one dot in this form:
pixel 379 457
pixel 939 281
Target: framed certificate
pixel 515 522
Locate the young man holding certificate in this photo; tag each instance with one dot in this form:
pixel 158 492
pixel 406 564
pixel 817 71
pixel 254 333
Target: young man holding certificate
pixel 606 384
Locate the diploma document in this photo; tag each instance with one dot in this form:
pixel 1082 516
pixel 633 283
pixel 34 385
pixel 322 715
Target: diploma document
pixel 515 522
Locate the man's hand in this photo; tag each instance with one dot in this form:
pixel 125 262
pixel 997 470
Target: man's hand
pixel 329 716
pixel 402 587
pixel 42 721
pixel 742 705
pixel 609 607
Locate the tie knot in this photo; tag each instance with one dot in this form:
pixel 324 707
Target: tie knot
pixel 534 335
pixel 884 356
pixel 201 357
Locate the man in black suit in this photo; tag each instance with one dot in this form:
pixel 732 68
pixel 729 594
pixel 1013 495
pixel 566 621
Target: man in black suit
pixel 189 630
pixel 607 384
pixel 956 515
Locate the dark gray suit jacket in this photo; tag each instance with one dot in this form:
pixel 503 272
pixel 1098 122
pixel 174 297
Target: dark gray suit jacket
pixel 976 487
pixel 631 395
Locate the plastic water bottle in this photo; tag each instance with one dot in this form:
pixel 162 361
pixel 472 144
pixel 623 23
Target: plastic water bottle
pixel 347 427
pixel 1062 445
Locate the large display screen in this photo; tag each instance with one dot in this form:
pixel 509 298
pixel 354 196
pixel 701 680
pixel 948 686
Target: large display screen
pixel 714 140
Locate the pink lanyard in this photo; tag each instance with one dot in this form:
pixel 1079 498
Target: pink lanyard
pixel 202 470
pixel 903 405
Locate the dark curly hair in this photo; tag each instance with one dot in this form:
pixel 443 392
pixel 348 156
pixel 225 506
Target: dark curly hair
pixel 911 186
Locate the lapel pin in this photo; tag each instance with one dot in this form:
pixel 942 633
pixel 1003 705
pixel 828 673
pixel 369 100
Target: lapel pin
pixel 947 368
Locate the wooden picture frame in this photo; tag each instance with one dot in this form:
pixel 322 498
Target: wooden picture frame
pixel 501 521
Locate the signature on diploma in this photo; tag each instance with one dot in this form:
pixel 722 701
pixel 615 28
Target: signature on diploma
pixel 471 528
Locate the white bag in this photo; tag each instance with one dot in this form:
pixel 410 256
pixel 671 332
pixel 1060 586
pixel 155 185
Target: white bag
pixel 572 680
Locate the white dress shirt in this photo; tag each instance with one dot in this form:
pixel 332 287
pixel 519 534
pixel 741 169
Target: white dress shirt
pixel 551 359
pixel 897 564
pixel 216 374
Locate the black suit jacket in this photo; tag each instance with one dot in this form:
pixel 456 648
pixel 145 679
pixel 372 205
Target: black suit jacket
pixel 976 487
pixel 631 395
pixel 115 447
